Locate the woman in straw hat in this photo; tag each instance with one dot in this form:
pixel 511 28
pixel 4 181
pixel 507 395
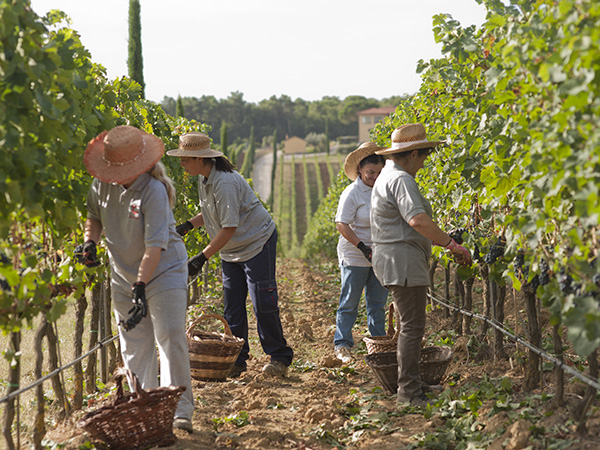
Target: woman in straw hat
pixel 242 230
pixel 354 251
pixel 403 231
pixel 131 201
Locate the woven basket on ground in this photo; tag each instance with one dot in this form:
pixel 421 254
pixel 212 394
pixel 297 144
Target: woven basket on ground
pixel 387 343
pixel 433 365
pixel 212 354
pixel 135 420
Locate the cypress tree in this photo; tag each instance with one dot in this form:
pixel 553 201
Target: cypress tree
pixel 249 157
pixel 179 111
pixel 273 169
pixel 327 135
pixel 135 64
pixel 224 138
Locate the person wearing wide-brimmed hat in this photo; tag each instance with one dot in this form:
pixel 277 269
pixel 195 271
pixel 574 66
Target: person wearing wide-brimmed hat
pixel 403 230
pixel 242 230
pixel 130 201
pixel 362 166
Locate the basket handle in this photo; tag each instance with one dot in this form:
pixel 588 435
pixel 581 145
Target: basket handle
pixel 209 316
pixel 391 331
pixel 121 373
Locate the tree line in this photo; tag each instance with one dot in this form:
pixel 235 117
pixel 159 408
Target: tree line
pixel 330 116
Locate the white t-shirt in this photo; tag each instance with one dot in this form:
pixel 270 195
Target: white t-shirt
pixel 354 210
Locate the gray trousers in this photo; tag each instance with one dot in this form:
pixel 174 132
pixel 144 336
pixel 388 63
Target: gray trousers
pixel 410 302
pixel 163 327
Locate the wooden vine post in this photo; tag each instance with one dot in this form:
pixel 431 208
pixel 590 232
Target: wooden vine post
pixel 39 428
pixel 14 375
pixel 80 309
pixel 532 366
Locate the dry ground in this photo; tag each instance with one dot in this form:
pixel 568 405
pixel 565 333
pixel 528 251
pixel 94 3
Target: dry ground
pixel 320 405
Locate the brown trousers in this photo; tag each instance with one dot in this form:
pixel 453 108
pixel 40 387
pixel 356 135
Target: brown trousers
pixel 410 303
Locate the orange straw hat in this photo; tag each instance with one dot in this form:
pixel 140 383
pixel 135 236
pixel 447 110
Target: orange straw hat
pixel 194 145
pixel 409 137
pixel 354 158
pixel 122 154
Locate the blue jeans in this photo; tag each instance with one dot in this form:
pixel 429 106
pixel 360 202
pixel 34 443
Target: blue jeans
pixel 354 280
pixel 257 276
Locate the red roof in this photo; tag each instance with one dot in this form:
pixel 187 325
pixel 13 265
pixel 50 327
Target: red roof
pixel 378 111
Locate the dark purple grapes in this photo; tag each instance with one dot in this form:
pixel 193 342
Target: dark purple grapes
pixel 457 235
pixel 496 251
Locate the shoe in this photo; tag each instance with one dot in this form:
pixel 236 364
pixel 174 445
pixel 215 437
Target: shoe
pixel 343 354
pixel 275 369
pixel 421 400
pixel 184 424
pixel 236 371
pixel 432 388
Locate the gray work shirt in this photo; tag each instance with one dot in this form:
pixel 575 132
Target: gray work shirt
pixel 133 219
pixel 227 200
pixel 354 209
pixel 400 253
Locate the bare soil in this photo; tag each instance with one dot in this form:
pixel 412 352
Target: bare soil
pixel 321 405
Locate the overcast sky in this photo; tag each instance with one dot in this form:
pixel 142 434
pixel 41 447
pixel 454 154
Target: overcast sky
pixel 300 48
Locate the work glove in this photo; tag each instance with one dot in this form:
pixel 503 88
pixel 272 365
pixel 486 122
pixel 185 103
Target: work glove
pixel 87 254
pixel 184 228
pixel 195 264
pixel 461 254
pixel 365 249
pixel 140 306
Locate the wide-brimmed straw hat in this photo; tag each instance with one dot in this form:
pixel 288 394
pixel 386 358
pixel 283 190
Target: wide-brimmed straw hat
pixel 122 154
pixel 354 158
pixel 409 137
pixel 194 145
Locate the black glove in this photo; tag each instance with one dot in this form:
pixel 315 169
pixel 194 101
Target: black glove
pixel 195 264
pixel 140 306
pixel 86 254
pixel 184 228
pixel 365 249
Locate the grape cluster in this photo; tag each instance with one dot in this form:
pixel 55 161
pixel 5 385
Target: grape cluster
pixel 457 235
pixel 496 251
pixel 565 283
pixel 519 261
pixel 476 253
pixel 544 276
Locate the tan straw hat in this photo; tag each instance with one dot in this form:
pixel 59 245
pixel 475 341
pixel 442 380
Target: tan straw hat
pixel 194 145
pixel 122 154
pixel 409 137
pixel 354 158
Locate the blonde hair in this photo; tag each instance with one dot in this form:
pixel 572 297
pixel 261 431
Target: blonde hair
pixel 160 173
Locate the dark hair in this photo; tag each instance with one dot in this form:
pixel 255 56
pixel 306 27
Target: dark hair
pixel 422 151
pixel 371 159
pixel 222 164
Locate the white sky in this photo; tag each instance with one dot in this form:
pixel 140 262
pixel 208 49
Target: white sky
pixel 300 48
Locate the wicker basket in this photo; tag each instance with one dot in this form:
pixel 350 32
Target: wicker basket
pixel 135 420
pixel 387 343
pixel 212 354
pixel 433 365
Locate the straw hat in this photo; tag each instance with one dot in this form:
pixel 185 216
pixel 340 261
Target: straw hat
pixel 122 154
pixel 409 137
pixel 194 145
pixel 354 158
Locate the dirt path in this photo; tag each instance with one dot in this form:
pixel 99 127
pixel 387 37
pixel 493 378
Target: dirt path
pixel 320 405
